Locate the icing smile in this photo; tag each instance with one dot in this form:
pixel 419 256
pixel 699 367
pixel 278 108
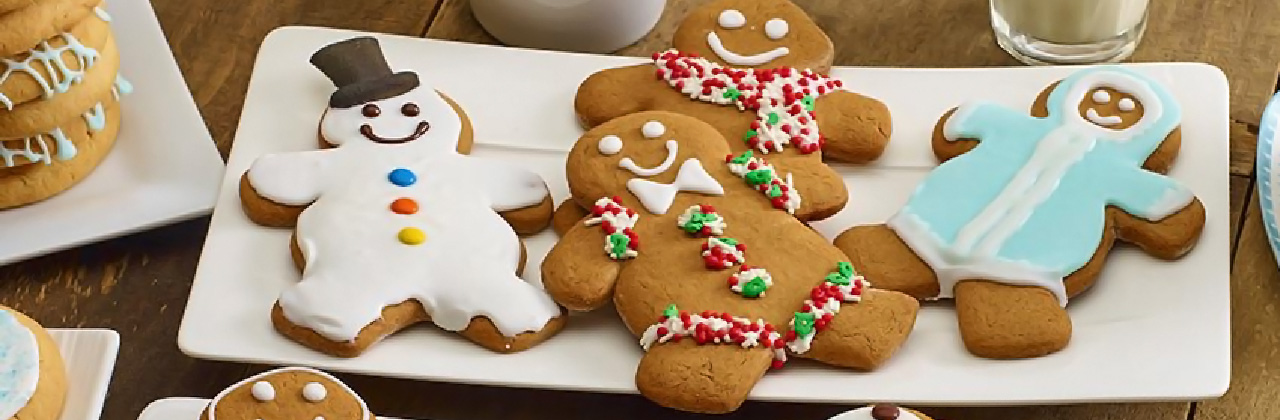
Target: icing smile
pixel 1099 119
pixel 734 58
pixel 630 165
pixel 368 133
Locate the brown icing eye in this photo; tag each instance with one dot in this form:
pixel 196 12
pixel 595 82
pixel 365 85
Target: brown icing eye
pixel 371 111
pixel 410 110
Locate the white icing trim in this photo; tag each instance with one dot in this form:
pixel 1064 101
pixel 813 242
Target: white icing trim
pixel 776 29
pixel 672 149
pixel 609 145
pixel 731 19
pixel 213 405
pixel 1133 86
pixel 653 129
pixel 736 59
pixel 1173 201
pixel 951 130
pixel 263 391
pixel 1100 119
pixel 1127 104
pixel 1101 97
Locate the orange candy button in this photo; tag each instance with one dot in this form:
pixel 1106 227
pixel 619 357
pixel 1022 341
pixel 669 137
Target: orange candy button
pixel 404 206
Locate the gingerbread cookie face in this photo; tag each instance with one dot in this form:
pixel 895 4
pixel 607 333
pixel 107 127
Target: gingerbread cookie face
pixel 288 393
pixel 755 34
pixel 1111 108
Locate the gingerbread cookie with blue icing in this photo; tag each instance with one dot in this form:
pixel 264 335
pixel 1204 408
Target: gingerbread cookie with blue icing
pixel 1022 212
pixel 756 70
pixel 392 225
pixel 33 377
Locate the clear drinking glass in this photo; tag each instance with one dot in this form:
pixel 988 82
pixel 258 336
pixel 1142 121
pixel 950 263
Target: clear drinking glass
pixel 1069 31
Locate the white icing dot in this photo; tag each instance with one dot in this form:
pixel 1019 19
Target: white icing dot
pixel 776 28
pixel 263 391
pixel 732 19
pixel 314 392
pixel 653 129
pixel 1127 104
pixel 1101 96
pixel 610 145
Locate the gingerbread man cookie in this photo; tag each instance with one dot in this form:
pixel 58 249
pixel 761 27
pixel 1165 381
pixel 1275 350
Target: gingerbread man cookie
pixel 288 393
pixel 719 284
pixel 1023 210
pixel 393 225
pixel 754 70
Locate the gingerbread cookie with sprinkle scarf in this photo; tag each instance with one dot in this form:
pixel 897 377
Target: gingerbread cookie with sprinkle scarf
pixel 756 71
pixel 717 283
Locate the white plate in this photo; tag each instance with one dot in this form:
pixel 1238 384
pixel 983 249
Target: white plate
pixel 1144 320
pixel 183 408
pixel 90 357
pixel 164 167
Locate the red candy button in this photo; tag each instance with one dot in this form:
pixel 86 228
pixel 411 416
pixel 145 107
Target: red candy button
pixel 404 206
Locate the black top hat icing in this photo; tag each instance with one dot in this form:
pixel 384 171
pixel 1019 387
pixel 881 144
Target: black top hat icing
pixel 360 72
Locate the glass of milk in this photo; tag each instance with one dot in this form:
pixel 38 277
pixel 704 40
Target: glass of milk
pixel 1069 31
pixel 592 26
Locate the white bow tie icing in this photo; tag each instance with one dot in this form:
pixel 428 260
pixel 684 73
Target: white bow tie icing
pixel 657 197
pixel 783 98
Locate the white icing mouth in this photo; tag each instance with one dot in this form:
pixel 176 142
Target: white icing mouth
pixel 743 60
pixel 630 165
pixel 1108 120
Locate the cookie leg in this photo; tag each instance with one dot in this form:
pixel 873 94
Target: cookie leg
pixel 887 262
pixel 999 321
pixel 712 379
pixel 864 335
pixel 482 332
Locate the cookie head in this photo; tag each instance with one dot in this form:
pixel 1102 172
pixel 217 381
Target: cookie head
pixel 289 393
pixel 755 34
pixel 650 155
pixel 399 119
pixel 1114 104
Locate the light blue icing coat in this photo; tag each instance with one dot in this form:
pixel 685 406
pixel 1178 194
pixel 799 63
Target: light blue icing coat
pixel 19 365
pixel 1027 206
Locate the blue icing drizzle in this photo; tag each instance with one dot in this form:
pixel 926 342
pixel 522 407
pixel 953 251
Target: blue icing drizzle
pixel 1027 205
pixel 19 365
pixel 121 87
pixel 96 118
pixel 66 150
pixel 50 58
pixel 102 14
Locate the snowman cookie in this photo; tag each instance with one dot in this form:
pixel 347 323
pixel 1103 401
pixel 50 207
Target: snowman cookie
pixel 33 378
pixel 1023 210
pixel 718 284
pixel 882 412
pixel 756 71
pixel 393 226
pixel 288 393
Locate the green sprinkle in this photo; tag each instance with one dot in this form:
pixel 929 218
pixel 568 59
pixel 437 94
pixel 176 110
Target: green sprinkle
pixel 775 191
pixel 732 94
pixel 803 325
pixel 759 176
pixel 619 243
pixel 837 278
pixel 671 311
pixel 809 101
pixel 728 241
pixel 754 288
pixel 845 268
pixel 773 118
pixel 743 158
pixel 747 137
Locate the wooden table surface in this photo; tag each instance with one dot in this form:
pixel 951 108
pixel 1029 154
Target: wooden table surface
pixel 138 284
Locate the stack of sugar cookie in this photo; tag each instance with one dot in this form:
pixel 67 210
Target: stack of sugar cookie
pixel 59 90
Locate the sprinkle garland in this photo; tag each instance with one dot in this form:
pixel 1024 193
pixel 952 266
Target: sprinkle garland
pixel 843 285
pixel 701 220
pixel 783 98
pixel 750 282
pixel 711 327
pixel 764 178
pixel 721 253
pixel 617 221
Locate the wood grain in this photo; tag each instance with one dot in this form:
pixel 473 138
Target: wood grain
pixel 1238 36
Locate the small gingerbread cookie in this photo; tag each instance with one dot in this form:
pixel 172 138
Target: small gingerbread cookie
pixel 1023 210
pixel 393 226
pixel 882 412
pixel 33 378
pixel 288 393
pixel 756 71
pixel 719 283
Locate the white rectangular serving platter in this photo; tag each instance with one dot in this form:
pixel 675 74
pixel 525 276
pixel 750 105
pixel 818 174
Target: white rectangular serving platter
pixel 183 408
pixel 164 166
pixel 1149 330
pixel 90 357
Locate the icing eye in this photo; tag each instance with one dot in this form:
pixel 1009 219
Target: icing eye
pixel 1127 104
pixel 653 129
pixel 1101 96
pixel 263 391
pixel 410 110
pixel 314 392
pixel 371 111
pixel 775 29
pixel 732 19
pixel 610 145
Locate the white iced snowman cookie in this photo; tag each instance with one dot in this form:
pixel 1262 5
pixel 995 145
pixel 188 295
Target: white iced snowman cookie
pixel 393 226
pixel 288 393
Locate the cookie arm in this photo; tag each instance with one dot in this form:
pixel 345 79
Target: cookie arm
pixel 857 128
pixel 976 121
pixel 1148 195
pixel 577 273
pixel 613 93
pixel 291 179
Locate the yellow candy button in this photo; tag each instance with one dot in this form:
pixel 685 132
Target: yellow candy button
pixel 412 236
